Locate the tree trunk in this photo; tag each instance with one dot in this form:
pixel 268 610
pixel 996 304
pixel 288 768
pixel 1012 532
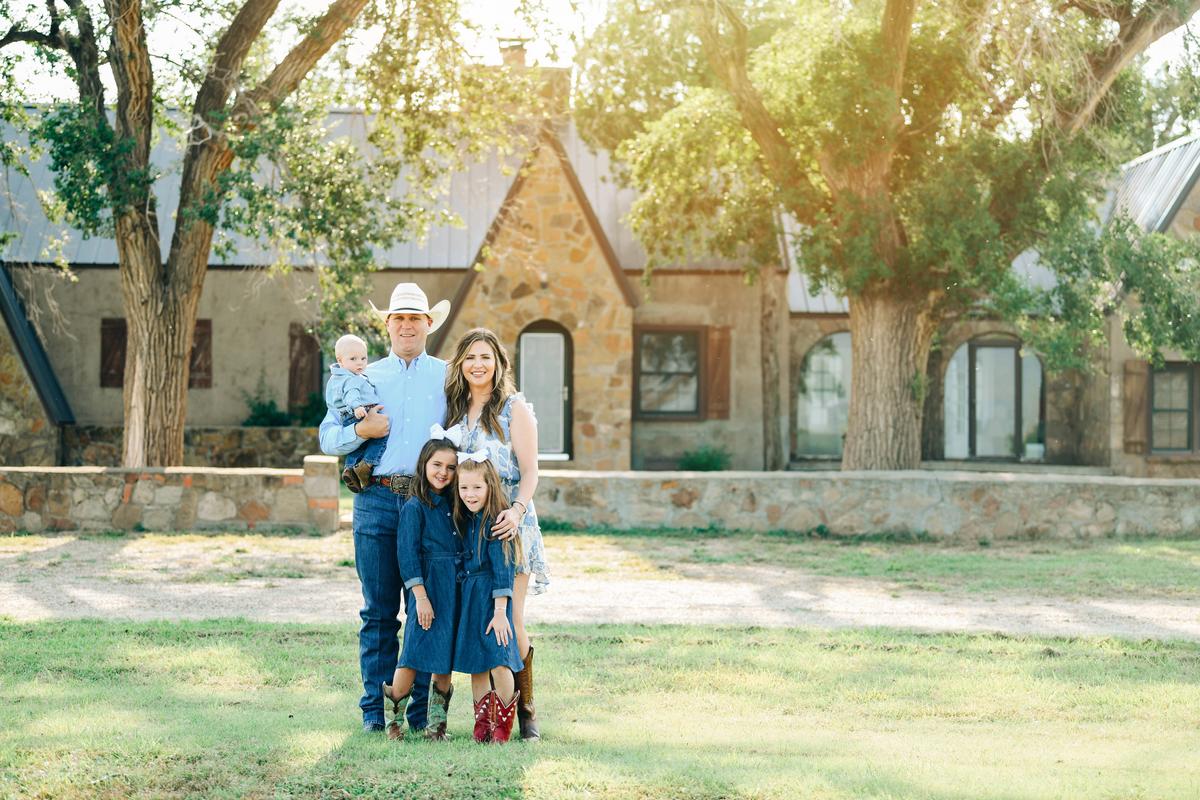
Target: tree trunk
pixel 890 347
pixel 160 323
pixel 771 294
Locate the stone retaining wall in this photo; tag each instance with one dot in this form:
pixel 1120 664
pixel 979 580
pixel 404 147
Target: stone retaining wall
pixel 950 505
pixel 231 446
pixel 34 499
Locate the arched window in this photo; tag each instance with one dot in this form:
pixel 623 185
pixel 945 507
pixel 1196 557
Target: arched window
pixel 544 355
pixel 994 401
pixel 823 398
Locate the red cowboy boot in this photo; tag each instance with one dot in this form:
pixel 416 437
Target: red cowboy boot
pixel 505 715
pixel 485 718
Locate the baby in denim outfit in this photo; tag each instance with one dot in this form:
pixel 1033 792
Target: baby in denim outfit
pixel 349 395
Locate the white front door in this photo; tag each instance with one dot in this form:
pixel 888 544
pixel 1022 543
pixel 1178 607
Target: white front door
pixel 543 379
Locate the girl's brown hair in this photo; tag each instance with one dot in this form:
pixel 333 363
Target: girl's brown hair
pixel 458 391
pixel 495 503
pixel 421 489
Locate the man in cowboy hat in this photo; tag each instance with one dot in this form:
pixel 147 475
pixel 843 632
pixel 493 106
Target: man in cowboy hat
pixel 412 395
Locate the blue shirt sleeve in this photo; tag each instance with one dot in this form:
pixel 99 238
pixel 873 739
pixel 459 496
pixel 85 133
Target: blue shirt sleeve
pixel 408 543
pixel 335 439
pixel 504 572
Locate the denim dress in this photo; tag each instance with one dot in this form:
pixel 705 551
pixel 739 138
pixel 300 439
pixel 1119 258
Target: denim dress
pixel 501 454
pixel 484 575
pixel 427 553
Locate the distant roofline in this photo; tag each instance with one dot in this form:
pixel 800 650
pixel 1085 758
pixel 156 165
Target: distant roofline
pixel 1162 148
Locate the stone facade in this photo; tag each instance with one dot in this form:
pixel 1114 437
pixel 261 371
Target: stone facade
pixel 545 262
pixel 272 448
pixel 27 435
pixel 963 506
pixel 35 499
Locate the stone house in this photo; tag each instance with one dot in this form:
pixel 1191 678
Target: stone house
pixel 624 372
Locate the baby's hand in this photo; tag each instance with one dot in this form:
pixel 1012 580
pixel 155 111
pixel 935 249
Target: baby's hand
pixel 360 412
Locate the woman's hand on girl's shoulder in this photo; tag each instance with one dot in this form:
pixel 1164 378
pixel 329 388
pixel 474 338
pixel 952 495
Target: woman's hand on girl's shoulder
pixel 506 524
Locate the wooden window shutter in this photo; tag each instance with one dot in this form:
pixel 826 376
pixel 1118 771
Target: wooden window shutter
pixel 200 370
pixel 1135 403
pixel 304 365
pixel 112 353
pixel 717 362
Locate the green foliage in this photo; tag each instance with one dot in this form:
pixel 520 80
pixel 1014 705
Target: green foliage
pixel 263 410
pixel 978 168
pixel 709 458
pixel 311 412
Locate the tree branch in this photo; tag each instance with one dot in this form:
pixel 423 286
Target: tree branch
pixel 227 61
pixel 895 35
pixel 727 59
pixel 1155 20
pixel 287 75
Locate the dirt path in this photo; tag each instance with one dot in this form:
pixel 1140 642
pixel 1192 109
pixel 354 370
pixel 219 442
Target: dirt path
pixel 311 579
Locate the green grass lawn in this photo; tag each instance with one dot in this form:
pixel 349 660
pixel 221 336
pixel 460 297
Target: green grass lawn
pixel 235 709
pixel 1099 568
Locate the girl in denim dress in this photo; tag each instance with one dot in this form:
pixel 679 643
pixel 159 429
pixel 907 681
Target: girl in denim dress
pixel 427 552
pixel 495 418
pixel 485 645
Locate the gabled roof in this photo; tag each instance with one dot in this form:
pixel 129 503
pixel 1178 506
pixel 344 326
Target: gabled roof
pixel 550 139
pixel 1153 187
pixel 33 355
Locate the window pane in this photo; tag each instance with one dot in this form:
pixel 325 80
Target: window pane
pixel 1032 430
pixel 1170 430
pixel 543 380
pixel 956 406
pixel 669 394
pixel 823 401
pixel 669 372
pixel 1171 390
pixel 670 352
pixel 995 402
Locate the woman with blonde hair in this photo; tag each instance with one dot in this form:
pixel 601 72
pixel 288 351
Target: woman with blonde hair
pixel 481 396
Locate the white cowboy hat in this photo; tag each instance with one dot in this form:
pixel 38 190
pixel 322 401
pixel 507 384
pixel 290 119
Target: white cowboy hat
pixel 407 298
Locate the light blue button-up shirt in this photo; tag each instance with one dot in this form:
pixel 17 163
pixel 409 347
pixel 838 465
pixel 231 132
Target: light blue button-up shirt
pixel 413 398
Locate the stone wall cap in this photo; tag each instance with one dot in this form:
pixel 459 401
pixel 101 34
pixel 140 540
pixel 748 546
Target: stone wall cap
pixel 261 471
pixel 899 476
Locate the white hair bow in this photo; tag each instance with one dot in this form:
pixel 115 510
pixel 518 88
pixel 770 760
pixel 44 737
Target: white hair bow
pixel 454 434
pixel 479 456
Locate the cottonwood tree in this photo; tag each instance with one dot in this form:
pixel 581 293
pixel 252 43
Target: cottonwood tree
pixel 244 88
pixel 918 146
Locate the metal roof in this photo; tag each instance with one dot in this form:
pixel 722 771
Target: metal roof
pixel 1153 187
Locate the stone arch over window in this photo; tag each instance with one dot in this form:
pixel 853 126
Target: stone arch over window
pixel 545 368
pixel 822 398
pixel 994 401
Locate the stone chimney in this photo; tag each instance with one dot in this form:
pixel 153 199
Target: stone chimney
pixel 513 52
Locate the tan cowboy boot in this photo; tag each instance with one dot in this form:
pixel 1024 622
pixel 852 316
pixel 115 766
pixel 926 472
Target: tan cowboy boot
pixel 526 713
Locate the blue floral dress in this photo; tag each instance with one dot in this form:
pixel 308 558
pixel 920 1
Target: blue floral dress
pixel 427 551
pixel 501 454
pixel 484 574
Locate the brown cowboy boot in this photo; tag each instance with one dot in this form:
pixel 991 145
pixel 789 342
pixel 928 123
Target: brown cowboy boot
pixel 395 728
pixel 505 715
pixel 526 714
pixel 350 478
pixel 439 706
pixel 485 718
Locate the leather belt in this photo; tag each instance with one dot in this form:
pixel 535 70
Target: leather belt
pixel 399 484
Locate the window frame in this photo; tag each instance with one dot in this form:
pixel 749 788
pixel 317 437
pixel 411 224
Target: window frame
pixel 1190 370
pixel 701 412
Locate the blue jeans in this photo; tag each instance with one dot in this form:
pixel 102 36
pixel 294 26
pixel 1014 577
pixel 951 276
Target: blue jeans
pixel 376 520
pixel 369 451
